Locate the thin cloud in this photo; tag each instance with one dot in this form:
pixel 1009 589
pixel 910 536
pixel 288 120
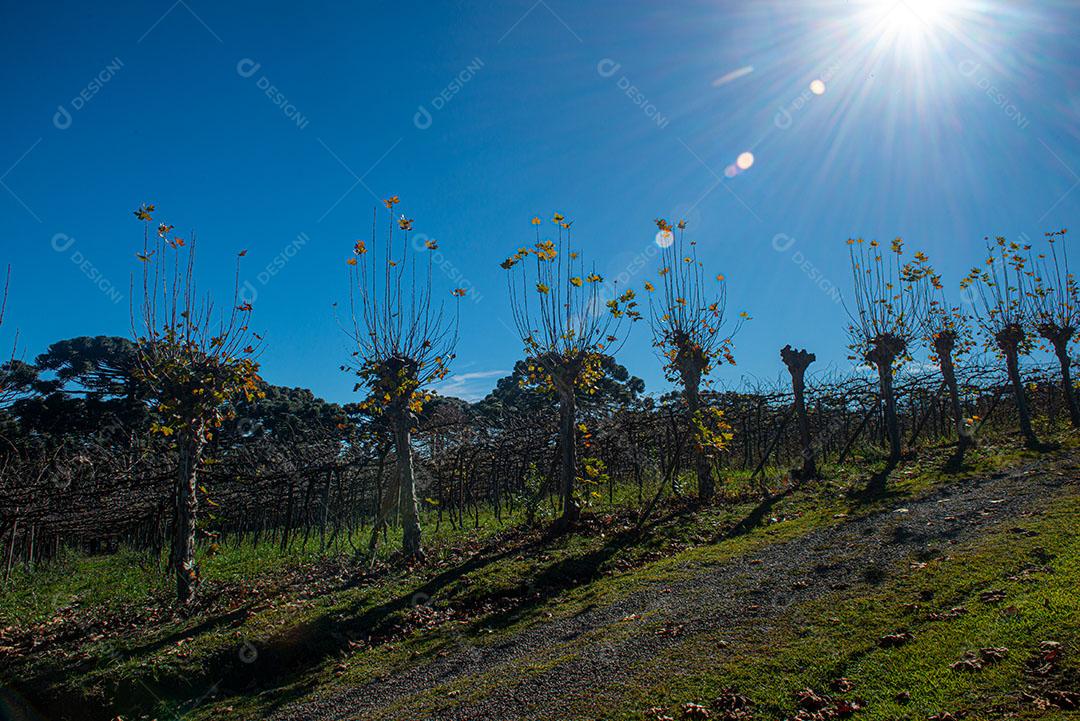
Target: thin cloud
pixel 733 75
pixel 469 386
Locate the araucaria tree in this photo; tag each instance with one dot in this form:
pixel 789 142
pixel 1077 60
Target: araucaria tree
pixel 692 331
pixel 884 320
pixel 1003 313
pixel 566 323
pixel 946 330
pixel 194 363
pixel 1055 309
pixel 404 343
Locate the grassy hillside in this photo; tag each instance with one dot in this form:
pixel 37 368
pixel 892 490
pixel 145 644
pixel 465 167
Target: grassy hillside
pixel 97 637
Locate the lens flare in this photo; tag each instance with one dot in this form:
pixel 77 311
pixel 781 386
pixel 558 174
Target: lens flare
pixel 745 160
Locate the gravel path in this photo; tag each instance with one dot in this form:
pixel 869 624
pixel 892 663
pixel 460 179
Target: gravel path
pixel 743 593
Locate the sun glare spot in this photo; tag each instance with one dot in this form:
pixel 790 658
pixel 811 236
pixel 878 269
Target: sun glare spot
pixel 745 160
pixel 910 18
pixel 817 87
pixel 665 238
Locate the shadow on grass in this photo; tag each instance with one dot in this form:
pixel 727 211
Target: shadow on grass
pixel 877 488
pixel 1045 447
pixel 955 464
pixel 755 517
pixel 293 663
pixel 572 572
pixel 285 660
pixel 552 581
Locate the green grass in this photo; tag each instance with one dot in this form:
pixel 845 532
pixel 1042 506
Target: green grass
pixel 114 581
pixel 836 636
pixel 34 596
pixel 497 578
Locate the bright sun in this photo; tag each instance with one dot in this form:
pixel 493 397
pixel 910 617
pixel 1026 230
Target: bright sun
pixel 915 15
pixel 908 19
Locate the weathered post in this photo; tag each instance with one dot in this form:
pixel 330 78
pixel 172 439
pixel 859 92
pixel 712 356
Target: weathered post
pixel 797 361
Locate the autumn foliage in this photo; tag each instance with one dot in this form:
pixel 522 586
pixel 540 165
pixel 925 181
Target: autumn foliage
pixel 404 343
pixel 693 333
pixel 194 362
pixel 567 319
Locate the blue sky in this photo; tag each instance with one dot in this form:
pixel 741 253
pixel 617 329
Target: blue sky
pixel 275 127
